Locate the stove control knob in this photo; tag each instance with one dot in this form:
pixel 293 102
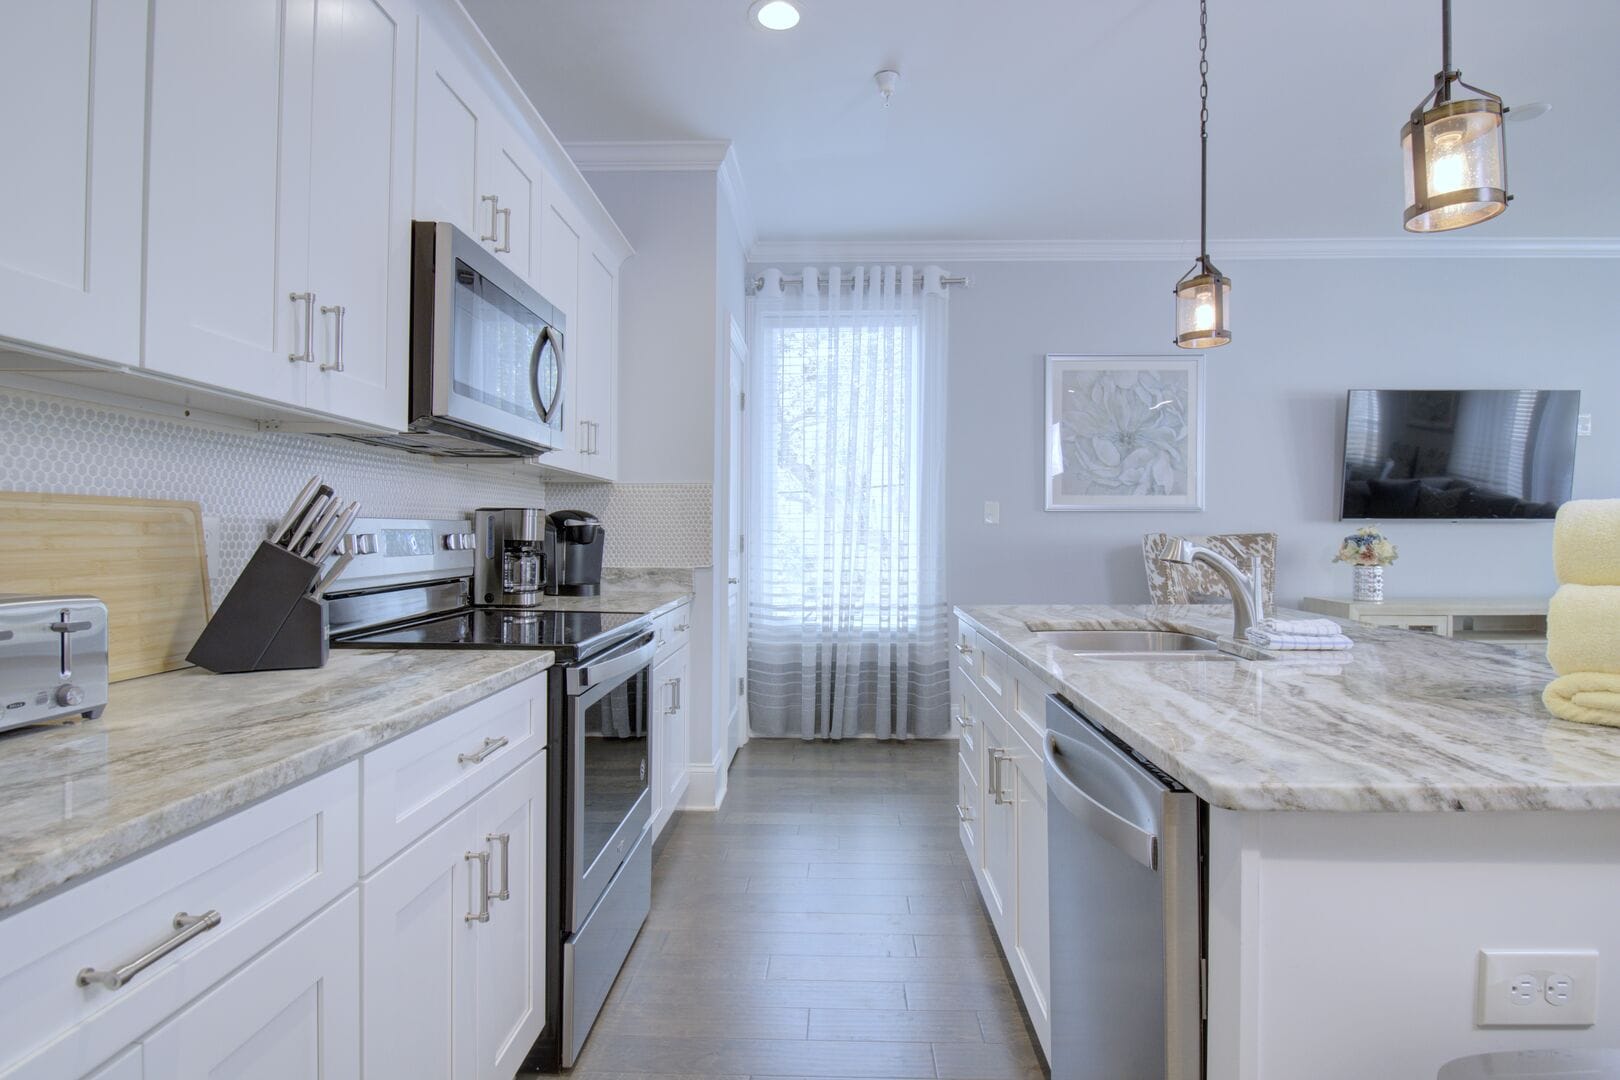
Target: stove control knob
pixel 469 541
pixel 69 696
pixel 452 541
pixel 365 543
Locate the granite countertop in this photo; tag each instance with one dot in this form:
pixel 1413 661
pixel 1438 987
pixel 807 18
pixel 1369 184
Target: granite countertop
pixel 634 592
pixel 1404 722
pixel 178 750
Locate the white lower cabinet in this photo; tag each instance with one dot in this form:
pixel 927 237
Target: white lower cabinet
pixel 293 1012
pixel 668 731
pixel 254 949
pixel 1001 812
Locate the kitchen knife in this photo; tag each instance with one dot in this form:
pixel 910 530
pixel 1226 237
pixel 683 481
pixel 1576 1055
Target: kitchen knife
pixel 293 510
pixel 318 528
pixel 329 578
pixel 337 534
pixel 311 508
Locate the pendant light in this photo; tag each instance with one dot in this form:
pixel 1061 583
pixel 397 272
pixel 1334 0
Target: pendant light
pixel 1455 154
pixel 1203 294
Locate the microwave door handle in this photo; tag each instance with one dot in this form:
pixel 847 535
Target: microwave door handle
pixel 548 335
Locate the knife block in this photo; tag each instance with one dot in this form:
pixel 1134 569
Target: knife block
pixel 268 621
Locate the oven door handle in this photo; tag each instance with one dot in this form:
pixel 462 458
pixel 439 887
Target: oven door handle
pixel 622 661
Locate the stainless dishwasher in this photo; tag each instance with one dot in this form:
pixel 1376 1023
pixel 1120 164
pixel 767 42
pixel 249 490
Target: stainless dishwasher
pixel 1127 940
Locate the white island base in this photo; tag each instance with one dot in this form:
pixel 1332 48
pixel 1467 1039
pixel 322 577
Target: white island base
pixel 1347 946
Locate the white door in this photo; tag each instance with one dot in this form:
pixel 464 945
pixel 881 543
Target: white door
pixel 293 1012
pixel 73 74
pixel 677 714
pixel 736 649
pixel 514 196
pixel 511 965
pixel 228 194
pixel 594 341
pixel 420 958
pixel 449 114
pixel 999 832
pixel 360 206
pixel 1033 948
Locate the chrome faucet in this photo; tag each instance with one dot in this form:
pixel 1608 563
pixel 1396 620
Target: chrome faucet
pixel 1248 592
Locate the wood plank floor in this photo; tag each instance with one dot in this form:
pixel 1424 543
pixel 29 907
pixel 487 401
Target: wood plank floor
pixel 824 923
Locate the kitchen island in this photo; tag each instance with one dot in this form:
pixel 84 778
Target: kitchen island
pixel 1374 820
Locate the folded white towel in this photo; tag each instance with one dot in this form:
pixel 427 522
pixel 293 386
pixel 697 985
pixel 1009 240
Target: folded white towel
pixel 1302 627
pixel 1266 639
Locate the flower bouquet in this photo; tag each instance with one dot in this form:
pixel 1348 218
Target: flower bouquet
pixel 1368 551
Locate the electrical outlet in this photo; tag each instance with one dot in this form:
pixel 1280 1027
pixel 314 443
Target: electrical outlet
pixel 1583 424
pixel 1519 988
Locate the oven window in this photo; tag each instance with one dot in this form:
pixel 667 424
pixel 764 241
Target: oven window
pixel 615 757
pixel 495 338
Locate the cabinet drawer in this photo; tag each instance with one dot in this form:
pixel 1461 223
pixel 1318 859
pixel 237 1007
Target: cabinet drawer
pixel 1026 709
pixel 994 676
pixel 964 649
pixel 967 809
pixel 264 870
pixel 673 630
pixel 417 781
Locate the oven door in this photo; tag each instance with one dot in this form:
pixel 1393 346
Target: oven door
pixel 486 348
pixel 610 805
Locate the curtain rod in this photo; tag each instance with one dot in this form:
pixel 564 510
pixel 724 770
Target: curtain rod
pixel 757 282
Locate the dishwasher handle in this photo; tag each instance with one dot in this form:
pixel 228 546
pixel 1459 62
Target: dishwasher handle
pixel 1127 836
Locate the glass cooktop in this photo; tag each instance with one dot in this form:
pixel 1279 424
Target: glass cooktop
pixel 569 633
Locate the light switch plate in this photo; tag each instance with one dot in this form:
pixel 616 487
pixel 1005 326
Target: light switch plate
pixel 992 513
pixel 1583 424
pixel 1520 988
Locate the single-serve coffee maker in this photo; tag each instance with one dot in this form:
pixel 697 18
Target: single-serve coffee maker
pixel 574 553
pixel 512 564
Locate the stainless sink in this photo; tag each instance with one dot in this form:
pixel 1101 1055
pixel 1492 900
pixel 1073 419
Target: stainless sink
pixel 1133 644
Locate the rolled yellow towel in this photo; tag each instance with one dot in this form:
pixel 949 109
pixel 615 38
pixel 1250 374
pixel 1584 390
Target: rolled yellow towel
pixel 1586 542
pixel 1588 697
pixel 1583 629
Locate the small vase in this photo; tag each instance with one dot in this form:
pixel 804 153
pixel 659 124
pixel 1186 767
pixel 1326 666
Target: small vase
pixel 1367 584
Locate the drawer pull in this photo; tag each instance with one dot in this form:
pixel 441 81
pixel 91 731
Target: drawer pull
pixel 477 756
pixel 186 927
pixel 965 721
pixel 482 914
pixel 963 813
pixel 682 628
pixel 965 650
pixel 998 786
pixel 505 840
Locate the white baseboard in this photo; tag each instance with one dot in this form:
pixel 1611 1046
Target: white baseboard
pixel 706 784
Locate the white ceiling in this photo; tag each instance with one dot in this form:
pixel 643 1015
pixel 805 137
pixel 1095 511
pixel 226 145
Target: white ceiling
pixel 1040 120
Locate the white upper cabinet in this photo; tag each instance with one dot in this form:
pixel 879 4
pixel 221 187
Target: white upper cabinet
pixel 514 197
pixel 360 208
pixel 596 352
pixel 227 267
pixel 449 115
pixel 73 76
pixel 277 243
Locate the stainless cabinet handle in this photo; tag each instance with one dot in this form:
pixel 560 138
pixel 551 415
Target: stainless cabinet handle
pixel 965 650
pixel 505 840
pixel 963 813
pixel 337 311
pixel 494 213
pixel 731 581
pixel 596 431
pixel 482 914
pixel 186 927
pixel 670 708
pixel 584 437
pixel 681 628
pixel 965 720
pixel 998 788
pixel 308 300
pixel 505 214
pixel 677 681
pixel 489 747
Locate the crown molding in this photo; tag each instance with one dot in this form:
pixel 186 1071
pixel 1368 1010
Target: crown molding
pixel 793 252
pixel 650 155
pixel 735 193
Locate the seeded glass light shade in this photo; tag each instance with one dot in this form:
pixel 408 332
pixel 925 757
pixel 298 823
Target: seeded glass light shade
pixel 1203 308
pixel 1456 165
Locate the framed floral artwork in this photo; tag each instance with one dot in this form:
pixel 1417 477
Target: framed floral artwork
pixel 1124 433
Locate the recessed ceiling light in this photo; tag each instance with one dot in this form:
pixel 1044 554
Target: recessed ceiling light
pixel 775 14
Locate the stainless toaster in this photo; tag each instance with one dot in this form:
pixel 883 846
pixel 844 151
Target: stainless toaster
pixel 53 658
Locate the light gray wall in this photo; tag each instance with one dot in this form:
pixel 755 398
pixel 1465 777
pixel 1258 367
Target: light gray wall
pixel 666 337
pixel 1304 333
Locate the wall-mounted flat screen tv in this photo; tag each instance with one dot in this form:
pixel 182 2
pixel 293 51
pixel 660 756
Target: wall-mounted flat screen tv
pixel 1496 455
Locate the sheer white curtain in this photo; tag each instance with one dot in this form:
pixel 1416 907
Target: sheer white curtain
pixel 847 619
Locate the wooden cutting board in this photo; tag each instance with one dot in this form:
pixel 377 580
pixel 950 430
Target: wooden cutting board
pixel 143 557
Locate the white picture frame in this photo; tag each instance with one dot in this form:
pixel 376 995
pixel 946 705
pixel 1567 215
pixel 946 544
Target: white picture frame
pixel 1108 447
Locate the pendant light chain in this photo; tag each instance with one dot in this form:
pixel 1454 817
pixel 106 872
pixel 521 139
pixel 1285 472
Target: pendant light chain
pixel 1203 131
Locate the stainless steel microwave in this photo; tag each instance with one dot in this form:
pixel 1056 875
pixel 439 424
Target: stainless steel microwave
pixel 487 354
